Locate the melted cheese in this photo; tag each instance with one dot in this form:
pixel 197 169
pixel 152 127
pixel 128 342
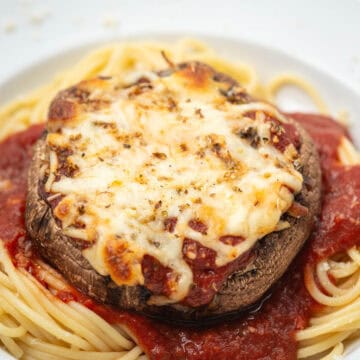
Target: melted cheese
pixel 168 151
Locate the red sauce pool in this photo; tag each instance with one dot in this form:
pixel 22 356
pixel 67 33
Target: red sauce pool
pixel 269 332
pixel 15 156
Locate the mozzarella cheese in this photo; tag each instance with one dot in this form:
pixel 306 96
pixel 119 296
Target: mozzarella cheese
pixel 168 147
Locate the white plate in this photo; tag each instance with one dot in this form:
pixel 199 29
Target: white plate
pixel 267 61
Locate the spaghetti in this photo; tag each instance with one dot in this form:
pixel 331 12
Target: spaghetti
pixel 36 324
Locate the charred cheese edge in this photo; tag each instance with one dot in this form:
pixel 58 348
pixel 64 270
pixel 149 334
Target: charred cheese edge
pixel 129 155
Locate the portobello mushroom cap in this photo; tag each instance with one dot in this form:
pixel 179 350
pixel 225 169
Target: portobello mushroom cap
pixel 270 258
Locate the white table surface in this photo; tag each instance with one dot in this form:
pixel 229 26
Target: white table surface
pixel 324 33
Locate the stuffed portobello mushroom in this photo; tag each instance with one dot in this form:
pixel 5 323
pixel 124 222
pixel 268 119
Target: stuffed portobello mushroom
pixel 173 193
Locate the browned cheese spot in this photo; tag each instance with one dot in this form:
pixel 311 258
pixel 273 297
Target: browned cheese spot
pixel 231 240
pixel 197 75
pixel 116 253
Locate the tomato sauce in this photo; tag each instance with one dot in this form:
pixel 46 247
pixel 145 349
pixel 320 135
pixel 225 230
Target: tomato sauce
pixel 265 333
pixel 15 156
pixel 339 224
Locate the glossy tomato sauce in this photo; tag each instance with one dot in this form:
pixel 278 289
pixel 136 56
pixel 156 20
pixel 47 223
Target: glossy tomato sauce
pixel 267 333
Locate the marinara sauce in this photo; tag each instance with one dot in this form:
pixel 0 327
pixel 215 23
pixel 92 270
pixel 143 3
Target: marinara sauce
pixel 265 333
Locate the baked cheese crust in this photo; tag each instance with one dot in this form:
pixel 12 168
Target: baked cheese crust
pixel 138 164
